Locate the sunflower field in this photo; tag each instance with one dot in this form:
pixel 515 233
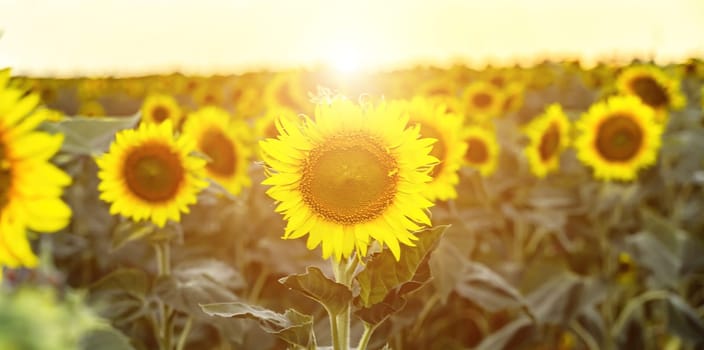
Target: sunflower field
pixel 557 206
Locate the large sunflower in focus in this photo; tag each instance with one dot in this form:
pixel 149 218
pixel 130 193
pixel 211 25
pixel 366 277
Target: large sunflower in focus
pixel 30 186
pixel 618 137
pixel 548 136
pixel 350 176
pixel 158 108
pixel 147 174
pixel 449 149
pixel 482 100
pixel 482 149
pixel 653 87
pixel 223 140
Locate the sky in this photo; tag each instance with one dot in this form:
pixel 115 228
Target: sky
pixel 131 37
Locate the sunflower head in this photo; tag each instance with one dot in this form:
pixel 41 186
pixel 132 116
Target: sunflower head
pixel 618 137
pixel 91 108
pixel 654 88
pixel 30 185
pixel 158 108
pixel 449 149
pixel 482 98
pixel 482 149
pixel 286 90
pixel 548 136
pixel 350 176
pixel 149 174
pixel 224 141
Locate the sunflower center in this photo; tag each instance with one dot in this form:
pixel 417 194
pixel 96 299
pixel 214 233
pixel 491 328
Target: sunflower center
pixel 549 142
pixel 482 100
pixel 439 150
pixel 160 113
pixel 619 138
pixel 650 92
pixel 350 178
pixel 5 179
pixel 221 151
pixel 153 172
pixel 477 152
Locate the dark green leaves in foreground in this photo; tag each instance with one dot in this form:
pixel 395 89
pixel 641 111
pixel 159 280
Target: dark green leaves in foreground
pixel 292 326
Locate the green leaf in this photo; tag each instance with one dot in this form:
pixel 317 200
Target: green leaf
pixel 444 264
pixel 383 273
pixel 187 287
pixel 486 288
pixel 90 136
pixel 683 320
pixel 105 339
pixel 121 295
pixel 293 327
pixel 395 300
pixel 562 299
pixel 314 284
pixel 514 335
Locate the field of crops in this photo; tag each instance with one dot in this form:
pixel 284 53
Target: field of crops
pixel 556 206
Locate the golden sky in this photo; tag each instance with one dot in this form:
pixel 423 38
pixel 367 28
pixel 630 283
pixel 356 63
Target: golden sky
pixel 43 37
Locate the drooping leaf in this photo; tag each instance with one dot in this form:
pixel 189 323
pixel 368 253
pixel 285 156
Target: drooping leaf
pixel 90 136
pixel 563 298
pixel 315 285
pixel 184 292
pixel 217 270
pixel 292 326
pixel 650 253
pixel 383 273
pixel 121 295
pixel 444 263
pixel 519 332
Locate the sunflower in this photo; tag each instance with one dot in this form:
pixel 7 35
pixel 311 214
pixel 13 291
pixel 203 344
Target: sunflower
pixel 91 108
pixel 548 136
pixel 617 137
pixel 482 149
pixel 30 186
pixel 158 108
pixel 653 87
pixel 449 149
pixel 223 140
pixel 285 90
pixel 514 96
pixel 482 99
pixel 350 176
pixel 148 174
pixel 265 126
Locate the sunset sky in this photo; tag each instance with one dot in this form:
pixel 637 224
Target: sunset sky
pixel 64 38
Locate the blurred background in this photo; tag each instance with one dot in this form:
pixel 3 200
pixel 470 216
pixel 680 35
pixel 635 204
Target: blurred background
pixel 131 37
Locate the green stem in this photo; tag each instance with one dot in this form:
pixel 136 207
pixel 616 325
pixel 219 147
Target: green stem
pixel 340 323
pixel 184 333
pixel 368 331
pixel 162 250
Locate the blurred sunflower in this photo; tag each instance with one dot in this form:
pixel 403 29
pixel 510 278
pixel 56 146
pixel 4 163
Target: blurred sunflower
pixel 514 95
pixel 482 99
pixel 653 87
pixel 148 174
pixel 350 176
pixel 626 271
pixel 440 86
pixel 482 149
pixel 208 95
pixel 265 126
pixel 617 137
pixel 548 136
pixel 449 149
pixel 91 108
pixel 30 186
pixel 158 108
pixel 223 140
pixel 286 90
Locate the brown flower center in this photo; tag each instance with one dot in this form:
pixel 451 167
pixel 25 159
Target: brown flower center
pixel 477 151
pixel 619 138
pixel 153 172
pixel 650 92
pixel 549 142
pixel 160 113
pixel 350 178
pixel 482 100
pixel 5 179
pixel 221 151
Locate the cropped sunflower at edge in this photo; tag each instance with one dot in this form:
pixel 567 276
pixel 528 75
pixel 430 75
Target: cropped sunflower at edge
pixel 654 88
pixel 30 185
pixel 353 175
pixel 149 174
pixel 618 137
